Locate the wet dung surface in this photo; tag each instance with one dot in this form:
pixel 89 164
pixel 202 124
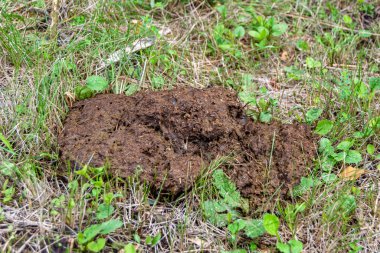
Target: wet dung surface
pixel 169 135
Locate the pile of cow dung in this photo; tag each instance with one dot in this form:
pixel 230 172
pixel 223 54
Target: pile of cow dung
pixel 169 135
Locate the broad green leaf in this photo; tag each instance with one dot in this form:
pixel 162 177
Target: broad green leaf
pixel 353 156
pixel 279 29
pixel 344 145
pixel 271 223
pixel 104 211
pixel 254 228
pixel 325 146
pixel 295 246
pixel 222 9
pixel 347 19
pixel 239 32
pixel 341 156
pixel 89 233
pixel 324 127
pixel 302 45
pixel 96 83
pixel 374 83
pixel 236 226
pixel 265 117
pixel 311 63
pixel 283 247
pixel 96 246
pixel 110 226
pixel 129 248
pixel 313 114
pixel 370 149
pixel 156 239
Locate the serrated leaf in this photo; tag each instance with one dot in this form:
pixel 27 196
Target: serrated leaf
pixel 97 245
pixel 227 189
pixel 265 117
pixel 313 114
pixel 325 146
pixel 279 29
pixel 247 97
pixel 305 184
pixel 96 83
pixel 351 173
pixel 271 223
pixel 254 228
pixel 324 127
pixel 328 178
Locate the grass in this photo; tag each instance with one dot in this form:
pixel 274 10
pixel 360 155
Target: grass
pixel 327 60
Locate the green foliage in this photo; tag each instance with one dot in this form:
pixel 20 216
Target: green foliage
pixel 96 83
pixel 271 224
pixel 129 248
pixel 324 127
pixel 292 246
pixel 343 208
pixel 153 240
pixel 93 231
pixel 263 29
pixel 313 114
pixel 305 185
pixel 104 211
pixel 7 144
pixel 227 189
pixel 96 246
pixel 83 92
pixel 313 64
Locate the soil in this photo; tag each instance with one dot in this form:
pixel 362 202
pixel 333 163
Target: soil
pixel 170 135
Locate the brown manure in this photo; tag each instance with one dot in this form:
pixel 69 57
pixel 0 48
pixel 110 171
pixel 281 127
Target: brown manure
pixel 169 135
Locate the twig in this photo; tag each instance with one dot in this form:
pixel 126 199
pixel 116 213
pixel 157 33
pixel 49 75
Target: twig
pixel 54 18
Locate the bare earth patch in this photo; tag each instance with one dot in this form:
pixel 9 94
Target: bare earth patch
pixel 169 135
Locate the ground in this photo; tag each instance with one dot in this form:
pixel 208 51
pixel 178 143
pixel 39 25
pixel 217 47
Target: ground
pixel 308 71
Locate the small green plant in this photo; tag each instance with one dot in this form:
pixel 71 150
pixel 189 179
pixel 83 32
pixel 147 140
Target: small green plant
pixel 271 225
pixel 264 29
pixel 86 239
pixel 264 107
pixel 94 84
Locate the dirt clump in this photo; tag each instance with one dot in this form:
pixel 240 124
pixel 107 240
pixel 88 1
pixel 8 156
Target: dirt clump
pixel 170 135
